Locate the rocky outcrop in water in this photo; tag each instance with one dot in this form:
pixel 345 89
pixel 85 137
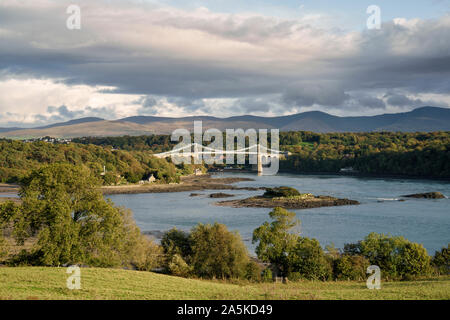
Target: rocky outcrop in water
pixel 221 195
pixel 300 202
pixel 425 195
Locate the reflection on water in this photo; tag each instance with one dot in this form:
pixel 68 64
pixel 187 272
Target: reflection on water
pixel 420 220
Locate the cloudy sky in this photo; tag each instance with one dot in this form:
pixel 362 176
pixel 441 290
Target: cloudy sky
pixel 220 58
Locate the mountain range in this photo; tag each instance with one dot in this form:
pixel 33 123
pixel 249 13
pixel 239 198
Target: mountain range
pixel 424 119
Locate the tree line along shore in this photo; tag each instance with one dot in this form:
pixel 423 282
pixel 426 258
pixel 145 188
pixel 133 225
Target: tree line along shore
pixel 410 154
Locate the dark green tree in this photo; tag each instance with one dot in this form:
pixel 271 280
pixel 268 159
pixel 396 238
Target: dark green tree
pixel 217 252
pixel 441 260
pixel 275 240
pixel 396 256
pixel 308 259
pixel 176 241
pixel 350 267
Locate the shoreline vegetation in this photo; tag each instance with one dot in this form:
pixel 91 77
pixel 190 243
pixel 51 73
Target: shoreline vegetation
pixel 374 154
pixel 207 182
pixel 129 159
pixel 187 183
pixel 204 182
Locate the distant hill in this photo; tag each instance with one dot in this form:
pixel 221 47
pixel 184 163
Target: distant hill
pixel 71 122
pixel 8 129
pixel 424 119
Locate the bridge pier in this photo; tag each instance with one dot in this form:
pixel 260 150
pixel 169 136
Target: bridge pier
pixel 259 161
pixel 197 154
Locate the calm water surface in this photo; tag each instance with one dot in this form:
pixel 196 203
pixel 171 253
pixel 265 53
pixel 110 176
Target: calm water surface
pixel 420 220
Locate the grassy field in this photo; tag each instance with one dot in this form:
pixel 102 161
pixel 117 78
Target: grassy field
pixel 96 283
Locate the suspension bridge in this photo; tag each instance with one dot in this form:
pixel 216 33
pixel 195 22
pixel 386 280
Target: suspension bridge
pixel 196 151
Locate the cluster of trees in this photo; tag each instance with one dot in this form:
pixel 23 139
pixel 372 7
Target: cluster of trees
pixel 64 216
pixel 208 251
pixel 281 192
pixel 414 154
pixel 155 143
pixel 18 158
pixel 297 257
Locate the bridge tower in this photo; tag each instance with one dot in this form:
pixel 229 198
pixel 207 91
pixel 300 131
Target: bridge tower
pixel 259 161
pixel 196 154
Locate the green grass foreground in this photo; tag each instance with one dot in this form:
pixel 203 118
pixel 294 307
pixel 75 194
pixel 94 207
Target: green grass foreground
pixel 97 283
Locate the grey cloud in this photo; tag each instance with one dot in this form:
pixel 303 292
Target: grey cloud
pixel 253 29
pixel 148 105
pixel 413 58
pixel 190 105
pixel 401 100
pixel 308 94
pixel 63 112
pixel 41 118
pixel 371 102
pixel 148 102
pixel 251 105
pixel 101 112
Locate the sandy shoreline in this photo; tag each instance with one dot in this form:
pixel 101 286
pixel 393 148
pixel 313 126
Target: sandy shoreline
pixel 191 183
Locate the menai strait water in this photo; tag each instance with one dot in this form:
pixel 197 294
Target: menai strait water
pixel 419 220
